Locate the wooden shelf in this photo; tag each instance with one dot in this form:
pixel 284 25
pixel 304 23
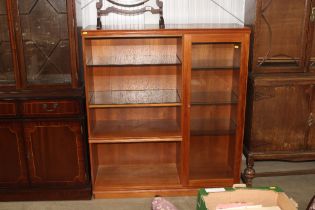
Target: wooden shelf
pixel 215 68
pixel 137 98
pixel 140 176
pixel 130 60
pixel 213 127
pixel 213 98
pixel 113 131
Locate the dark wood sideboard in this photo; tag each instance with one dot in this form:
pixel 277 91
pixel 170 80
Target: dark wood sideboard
pixel 280 103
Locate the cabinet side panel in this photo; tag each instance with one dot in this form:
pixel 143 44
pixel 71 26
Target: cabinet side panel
pixel 136 153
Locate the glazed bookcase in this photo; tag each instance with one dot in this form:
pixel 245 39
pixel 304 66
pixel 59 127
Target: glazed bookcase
pixel 165 108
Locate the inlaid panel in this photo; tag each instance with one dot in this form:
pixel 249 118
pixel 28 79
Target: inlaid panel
pixel 56 153
pixel 46 41
pixel 280 35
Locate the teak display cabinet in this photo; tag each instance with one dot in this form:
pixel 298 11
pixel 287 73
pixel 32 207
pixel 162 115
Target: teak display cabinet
pixel 42 125
pixel 165 108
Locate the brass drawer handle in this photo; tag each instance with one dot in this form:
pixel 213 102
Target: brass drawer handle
pixel 53 107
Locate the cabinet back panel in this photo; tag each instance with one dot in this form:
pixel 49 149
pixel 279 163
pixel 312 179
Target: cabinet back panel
pixel 213 55
pixel 134 46
pixel 213 112
pixel 143 113
pixel 215 81
pixel 135 78
pixel 136 153
pixel 210 157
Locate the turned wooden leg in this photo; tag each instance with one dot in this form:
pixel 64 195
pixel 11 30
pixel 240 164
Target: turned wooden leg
pixel 249 171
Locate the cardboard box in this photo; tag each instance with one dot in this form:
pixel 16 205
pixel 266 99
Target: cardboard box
pixel 209 198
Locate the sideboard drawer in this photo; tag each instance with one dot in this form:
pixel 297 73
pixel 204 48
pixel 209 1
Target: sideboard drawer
pixel 7 108
pixel 56 107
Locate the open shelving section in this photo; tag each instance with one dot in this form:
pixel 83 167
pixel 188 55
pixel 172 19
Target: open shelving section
pixel 157 102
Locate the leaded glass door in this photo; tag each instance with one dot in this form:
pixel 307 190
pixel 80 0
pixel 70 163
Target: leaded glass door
pixel 6 62
pixel 49 56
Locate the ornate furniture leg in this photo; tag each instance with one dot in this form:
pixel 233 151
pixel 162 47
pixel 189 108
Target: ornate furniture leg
pixel 249 171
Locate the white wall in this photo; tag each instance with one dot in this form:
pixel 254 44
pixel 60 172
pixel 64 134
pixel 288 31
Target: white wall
pixel 175 11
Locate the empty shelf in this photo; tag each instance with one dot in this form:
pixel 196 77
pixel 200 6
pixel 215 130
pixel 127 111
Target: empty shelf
pixel 214 68
pixel 134 98
pixel 129 60
pixel 135 131
pixel 136 176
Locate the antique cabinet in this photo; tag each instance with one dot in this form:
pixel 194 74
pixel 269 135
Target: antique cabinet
pixel 42 124
pixel 279 119
pixel 165 107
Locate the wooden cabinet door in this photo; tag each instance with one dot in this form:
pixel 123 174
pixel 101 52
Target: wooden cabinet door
pixel 12 155
pixel 279 116
pixel 281 35
pixel 217 74
pixel 310 58
pixel 47 44
pixel 55 153
pixel 311 123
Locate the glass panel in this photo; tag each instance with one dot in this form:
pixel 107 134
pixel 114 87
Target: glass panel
pixel 279 41
pixel 46 41
pixel 6 63
pixel 214 98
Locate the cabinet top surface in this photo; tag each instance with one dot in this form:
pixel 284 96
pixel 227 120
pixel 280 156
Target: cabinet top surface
pixel 173 28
